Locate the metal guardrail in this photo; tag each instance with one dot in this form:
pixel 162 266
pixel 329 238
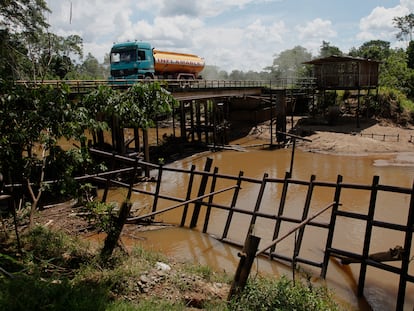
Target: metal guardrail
pixel 82 86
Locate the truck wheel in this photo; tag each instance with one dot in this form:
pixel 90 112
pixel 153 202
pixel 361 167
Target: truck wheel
pixel 148 78
pixel 186 82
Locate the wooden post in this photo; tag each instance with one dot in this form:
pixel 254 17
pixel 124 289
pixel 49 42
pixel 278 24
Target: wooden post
pixel 192 121
pixel 233 204
pixel 113 236
pixel 245 264
pixel 368 234
pixel 198 121
pixel 292 157
pixel 206 121
pixel 258 201
pixel 157 189
pixel 183 129
pixel 201 191
pixel 406 254
pixel 108 179
pixel 332 222
pixel 136 139
pixel 281 209
pixel 189 189
pixel 305 213
pixel 210 199
pixel 146 150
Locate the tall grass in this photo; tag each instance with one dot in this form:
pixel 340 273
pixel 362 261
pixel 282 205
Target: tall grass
pixel 283 294
pixel 56 272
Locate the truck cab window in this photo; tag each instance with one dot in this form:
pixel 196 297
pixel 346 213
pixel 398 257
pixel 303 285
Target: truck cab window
pixel 141 55
pixel 115 57
pixel 126 56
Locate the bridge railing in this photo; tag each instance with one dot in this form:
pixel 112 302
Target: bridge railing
pixel 84 86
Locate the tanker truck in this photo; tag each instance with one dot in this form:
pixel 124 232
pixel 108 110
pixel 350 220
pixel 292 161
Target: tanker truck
pixel 139 60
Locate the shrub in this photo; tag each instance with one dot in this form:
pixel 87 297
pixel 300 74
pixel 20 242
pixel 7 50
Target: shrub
pixel 282 294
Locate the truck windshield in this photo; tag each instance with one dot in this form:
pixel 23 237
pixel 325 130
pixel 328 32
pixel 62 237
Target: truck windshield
pixel 124 56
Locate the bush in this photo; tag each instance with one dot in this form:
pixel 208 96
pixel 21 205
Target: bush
pixel 283 294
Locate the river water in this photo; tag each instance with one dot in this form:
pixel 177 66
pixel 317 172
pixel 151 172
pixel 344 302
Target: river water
pixel 190 244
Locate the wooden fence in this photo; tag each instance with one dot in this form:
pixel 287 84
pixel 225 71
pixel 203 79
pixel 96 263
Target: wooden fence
pixel 205 184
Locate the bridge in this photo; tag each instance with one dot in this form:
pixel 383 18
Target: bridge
pixel 209 107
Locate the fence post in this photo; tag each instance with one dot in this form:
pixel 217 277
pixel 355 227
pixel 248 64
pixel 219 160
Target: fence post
pixel 210 200
pixel 201 191
pixel 280 210
pixel 189 189
pixel 115 232
pixel 259 200
pixel 233 204
pixel 245 264
pixel 368 234
pixel 332 222
pixel 298 242
pixel 157 188
pixel 406 254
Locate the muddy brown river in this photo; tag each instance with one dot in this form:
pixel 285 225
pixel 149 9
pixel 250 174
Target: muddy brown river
pixel 381 287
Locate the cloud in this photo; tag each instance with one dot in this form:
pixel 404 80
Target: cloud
pixel 175 31
pixel 92 19
pixel 313 33
pixel 316 29
pixel 232 34
pixel 408 4
pixel 180 7
pixel 379 25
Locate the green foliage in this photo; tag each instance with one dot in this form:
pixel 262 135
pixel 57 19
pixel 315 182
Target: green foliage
pixel 289 63
pixel 405 24
pixel 150 256
pixel 283 294
pixel 45 246
pixel 100 214
pixel 32 121
pixel 392 104
pixel 153 304
pixel 328 50
pixel 24 15
pixel 375 49
pixel 395 72
pixel 29 292
pixel 141 104
pixel 410 55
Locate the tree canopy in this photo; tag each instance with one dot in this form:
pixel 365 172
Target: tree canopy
pixel 289 63
pixel 405 24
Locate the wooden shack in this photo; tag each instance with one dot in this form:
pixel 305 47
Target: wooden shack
pixel 345 73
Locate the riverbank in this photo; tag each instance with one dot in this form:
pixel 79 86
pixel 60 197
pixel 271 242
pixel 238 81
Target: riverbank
pixel 346 138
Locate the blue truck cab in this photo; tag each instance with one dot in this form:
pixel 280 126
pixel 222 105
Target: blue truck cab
pixel 131 60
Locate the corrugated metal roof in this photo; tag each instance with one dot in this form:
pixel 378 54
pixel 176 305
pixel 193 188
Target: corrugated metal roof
pixel 339 59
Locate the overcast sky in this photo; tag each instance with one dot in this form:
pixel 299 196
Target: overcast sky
pixel 231 34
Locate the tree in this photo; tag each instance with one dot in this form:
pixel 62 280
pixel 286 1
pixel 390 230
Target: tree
pixel 51 55
pixel 23 16
pixel 28 50
pixel 289 63
pixel 406 25
pixel 410 55
pixel 329 50
pixel 21 22
pixel 91 69
pixel 395 72
pixel 375 49
pixel 32 121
